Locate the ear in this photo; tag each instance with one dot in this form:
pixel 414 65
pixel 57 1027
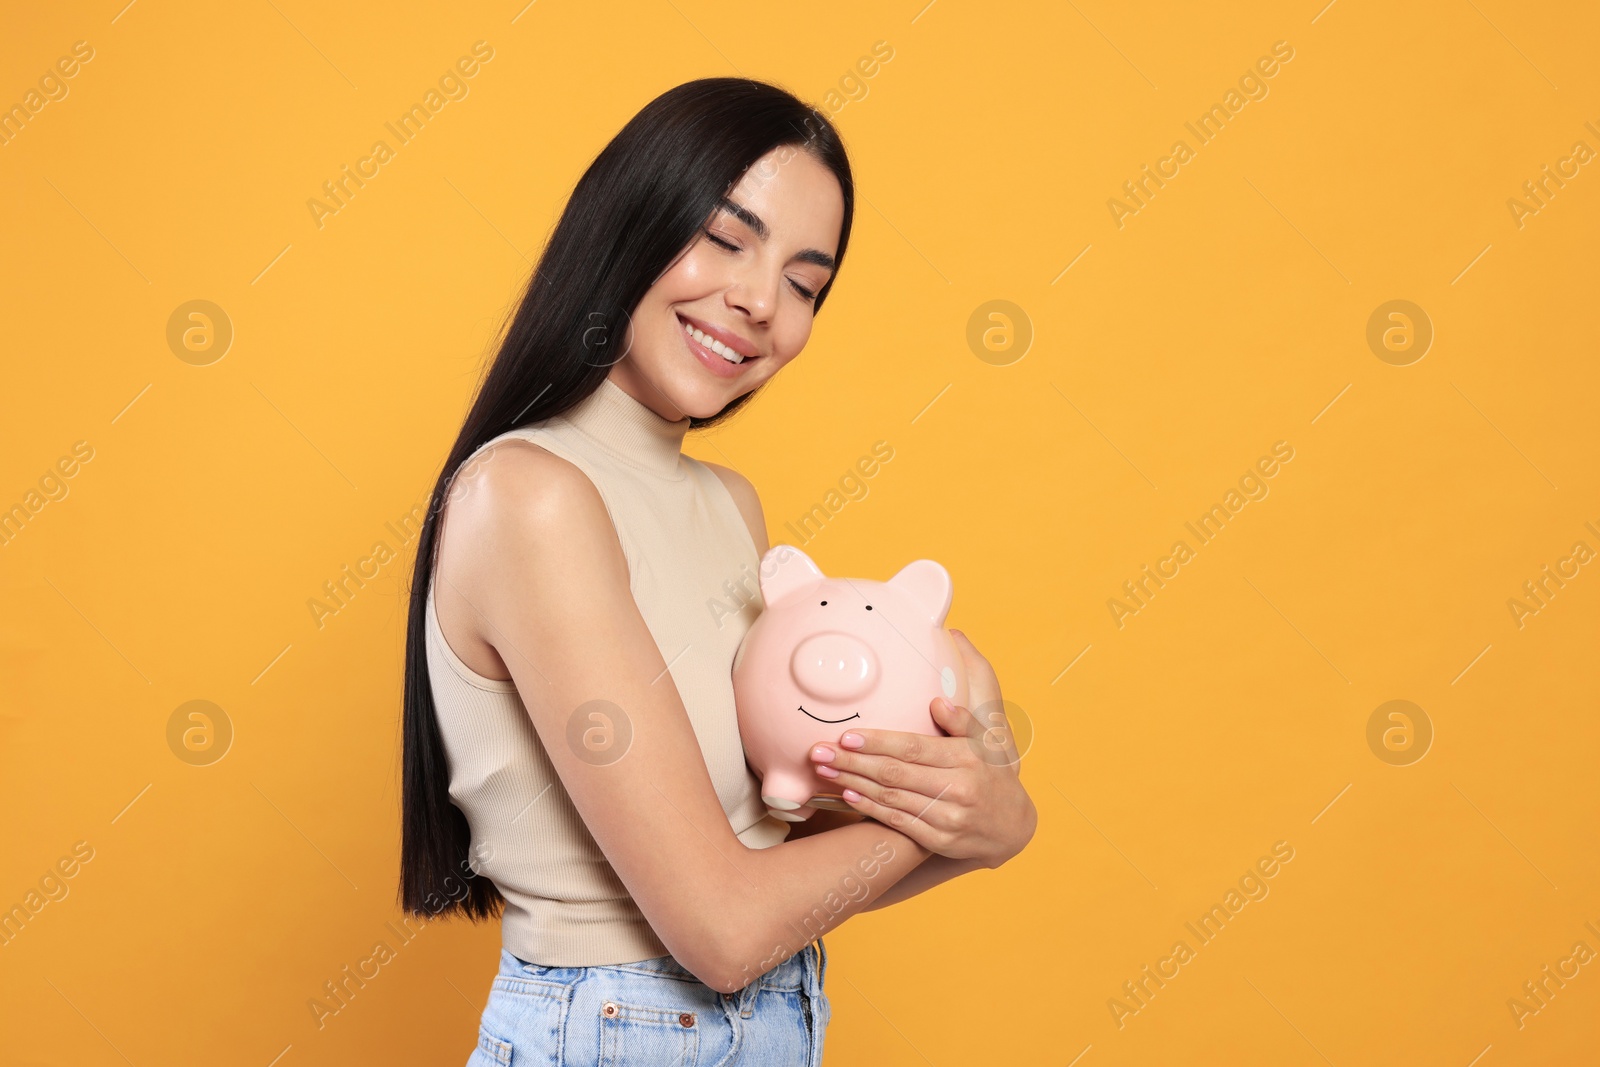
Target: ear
pixel 785 571
pixel 928 585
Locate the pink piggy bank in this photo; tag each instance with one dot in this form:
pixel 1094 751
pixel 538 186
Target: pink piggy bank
pixel 831 653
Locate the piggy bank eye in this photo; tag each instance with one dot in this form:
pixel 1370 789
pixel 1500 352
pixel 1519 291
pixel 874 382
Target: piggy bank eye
pixel 824 603
pixel 869 607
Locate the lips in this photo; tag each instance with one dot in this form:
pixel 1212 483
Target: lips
pixel 739 344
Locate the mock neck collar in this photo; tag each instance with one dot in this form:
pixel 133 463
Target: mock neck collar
pixel 630 431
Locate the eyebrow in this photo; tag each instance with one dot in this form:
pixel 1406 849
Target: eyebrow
pixel 754 221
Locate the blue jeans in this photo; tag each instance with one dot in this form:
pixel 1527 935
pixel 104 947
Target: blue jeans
pixel 654 1013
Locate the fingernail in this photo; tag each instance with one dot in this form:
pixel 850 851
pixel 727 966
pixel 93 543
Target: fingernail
pixel 852 740
pixel 851 795
pixel 821 752
pixel 827 771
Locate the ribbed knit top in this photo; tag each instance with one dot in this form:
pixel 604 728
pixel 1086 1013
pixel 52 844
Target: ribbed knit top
pixel 692 569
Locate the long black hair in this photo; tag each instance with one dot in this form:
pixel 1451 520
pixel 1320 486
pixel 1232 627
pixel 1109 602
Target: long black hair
pixel 640 203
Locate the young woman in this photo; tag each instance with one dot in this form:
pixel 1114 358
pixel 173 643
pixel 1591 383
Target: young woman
pixel 571 753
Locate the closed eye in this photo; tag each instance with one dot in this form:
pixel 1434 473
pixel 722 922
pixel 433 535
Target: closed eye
pixel 805 293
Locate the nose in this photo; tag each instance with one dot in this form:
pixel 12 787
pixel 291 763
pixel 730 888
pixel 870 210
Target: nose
pixel 755 295
pixel 834 667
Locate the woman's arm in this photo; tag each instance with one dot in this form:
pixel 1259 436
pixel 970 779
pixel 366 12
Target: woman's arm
pixel 546 579
pixel 934 871
pixel 937 870
pixel 824 820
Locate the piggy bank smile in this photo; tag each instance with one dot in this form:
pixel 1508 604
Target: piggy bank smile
pixel 847 718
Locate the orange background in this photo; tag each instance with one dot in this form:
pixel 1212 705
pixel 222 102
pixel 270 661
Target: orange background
pixel 1229 313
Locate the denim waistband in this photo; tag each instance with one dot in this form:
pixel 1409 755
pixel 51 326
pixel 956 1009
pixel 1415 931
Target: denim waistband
pixel 802 971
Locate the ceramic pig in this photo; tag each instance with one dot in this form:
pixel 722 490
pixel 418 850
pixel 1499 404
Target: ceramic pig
pixel 827 654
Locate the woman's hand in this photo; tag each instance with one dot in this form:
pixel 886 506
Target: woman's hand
pixel 959 796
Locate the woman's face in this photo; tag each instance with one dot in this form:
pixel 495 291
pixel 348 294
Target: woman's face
pixel 748 282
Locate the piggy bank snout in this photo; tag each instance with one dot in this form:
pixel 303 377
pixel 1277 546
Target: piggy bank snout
pixel 834 667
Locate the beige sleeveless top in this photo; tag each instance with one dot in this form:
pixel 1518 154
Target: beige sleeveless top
pixel 692 569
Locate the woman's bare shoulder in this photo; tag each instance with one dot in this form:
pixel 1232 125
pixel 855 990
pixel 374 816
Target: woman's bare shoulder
pixel 511 499
pixel 514 481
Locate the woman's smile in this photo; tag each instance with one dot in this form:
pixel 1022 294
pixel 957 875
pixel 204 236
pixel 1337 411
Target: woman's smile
pixel 721 352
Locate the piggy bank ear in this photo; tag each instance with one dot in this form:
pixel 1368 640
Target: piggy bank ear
pixel 929 587
pixel 785 571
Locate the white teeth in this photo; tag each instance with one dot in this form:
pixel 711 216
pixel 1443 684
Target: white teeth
pixel 715 345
